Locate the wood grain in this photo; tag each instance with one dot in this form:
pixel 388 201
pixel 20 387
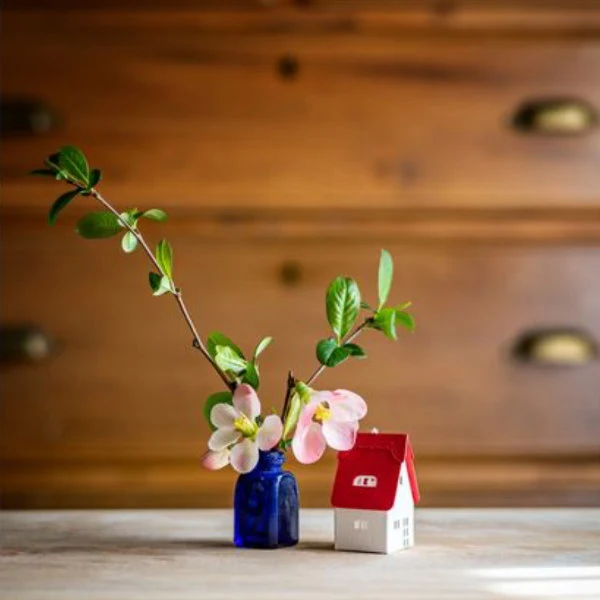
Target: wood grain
pixel 467 554
pixel 453 386
pixel 181 114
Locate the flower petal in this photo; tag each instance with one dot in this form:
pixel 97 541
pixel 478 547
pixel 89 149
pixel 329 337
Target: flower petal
pixel 347 406
pixel 244 456
pixel 223 437
pixel 309 446
pixel 340 436
pixel 269 433
pixel 215 460
pixel 223 415
pixel 246 401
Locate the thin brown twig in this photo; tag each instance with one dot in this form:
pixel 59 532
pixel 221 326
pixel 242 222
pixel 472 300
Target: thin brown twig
pixel 197 341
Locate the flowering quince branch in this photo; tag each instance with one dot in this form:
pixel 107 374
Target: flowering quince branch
pixel 310 420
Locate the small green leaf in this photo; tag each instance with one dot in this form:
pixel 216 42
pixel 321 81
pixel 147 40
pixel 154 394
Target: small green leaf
pixel 355 350
pixel 229 361
pixel 262 346
pixel 216 338
pixel 60 203
pixel 386 272
pixel 160 285
pixel 164 256
pixel 293 413
pixel 155 214
pixel 330 354
pixel 98 225
pixel 338 356
pixel 365 306
pixel 95 177
pixel 130 217
pixel 342 302
pixel 43 172
pixel 73 162
pixel 325 349
pixel 405 320
pixel 129 242
pixel 212 401
pixel 251 375
pixel 403 306
pixel 385 320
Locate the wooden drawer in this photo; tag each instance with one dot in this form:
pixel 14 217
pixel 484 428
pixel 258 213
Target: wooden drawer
pixel 127 389
pixel 194 109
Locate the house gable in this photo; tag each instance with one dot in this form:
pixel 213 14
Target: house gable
pixel 368 475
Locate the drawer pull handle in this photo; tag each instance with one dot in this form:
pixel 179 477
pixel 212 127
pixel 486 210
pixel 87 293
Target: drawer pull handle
pixel 290 273
pixel 554 116
pixel 24 344
pixel 27 117
pixel 556 347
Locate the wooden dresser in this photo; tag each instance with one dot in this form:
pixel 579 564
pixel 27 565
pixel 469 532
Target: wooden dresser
pixel 290 141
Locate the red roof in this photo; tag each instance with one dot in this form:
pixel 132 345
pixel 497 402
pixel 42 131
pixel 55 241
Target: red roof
pixel 367 476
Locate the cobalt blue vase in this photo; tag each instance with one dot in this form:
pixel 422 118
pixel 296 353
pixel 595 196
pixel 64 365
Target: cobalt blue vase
pixel 266 505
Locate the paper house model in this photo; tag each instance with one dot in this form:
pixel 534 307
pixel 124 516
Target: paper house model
pixel 375 493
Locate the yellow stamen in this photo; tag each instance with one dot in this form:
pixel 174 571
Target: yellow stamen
pixel 323 413
pixel 245 426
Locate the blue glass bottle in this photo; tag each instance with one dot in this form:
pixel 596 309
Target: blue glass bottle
pixel 266 505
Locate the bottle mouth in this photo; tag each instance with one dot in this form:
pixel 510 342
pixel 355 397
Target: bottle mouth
pixel 271 458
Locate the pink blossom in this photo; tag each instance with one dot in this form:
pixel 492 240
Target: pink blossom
pixel 329 419
pixel 238 437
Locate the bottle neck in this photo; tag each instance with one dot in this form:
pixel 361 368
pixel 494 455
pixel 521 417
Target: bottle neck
pixel 270 461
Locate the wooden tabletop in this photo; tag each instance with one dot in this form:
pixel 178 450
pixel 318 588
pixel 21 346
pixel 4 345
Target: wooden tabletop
pixel 155 555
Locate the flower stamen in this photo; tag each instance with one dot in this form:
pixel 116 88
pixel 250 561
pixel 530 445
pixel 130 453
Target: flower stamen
pixel 322 414
pixel 245 426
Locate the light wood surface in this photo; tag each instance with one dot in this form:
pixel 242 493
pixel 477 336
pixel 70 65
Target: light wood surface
pixel 176 555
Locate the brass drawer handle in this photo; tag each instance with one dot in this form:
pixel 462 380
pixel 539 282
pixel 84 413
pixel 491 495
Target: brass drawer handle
pixel 27 117
pixel 557 347
pixel 24 344
pixel 554 116
pixel 290 273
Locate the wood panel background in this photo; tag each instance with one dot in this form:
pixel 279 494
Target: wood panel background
pixel 290 144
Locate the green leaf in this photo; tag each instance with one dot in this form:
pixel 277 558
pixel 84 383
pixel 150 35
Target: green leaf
pixel 355 350
pixel 98 225
pixel 130 217
pixel 43 172
pixel 405 320
pixel 60 203
pixel 365 306
pixel 386 272
pixel 342 303
pixel 338 356
pixel 212 401
pixel 330 354
pixel 95 177
pixel 160 285
pixel 229 361
pixel 129 242
pixel 216 338
pixel 155 214
pixel 73 162
pixel 262 346
pixel 385 320
pixel 164 256
pixel 251 375
pixel 403 306
pixel 325 349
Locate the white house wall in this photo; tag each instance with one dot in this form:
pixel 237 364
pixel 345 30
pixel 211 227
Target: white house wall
pixel 361 530
pixel 400 520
